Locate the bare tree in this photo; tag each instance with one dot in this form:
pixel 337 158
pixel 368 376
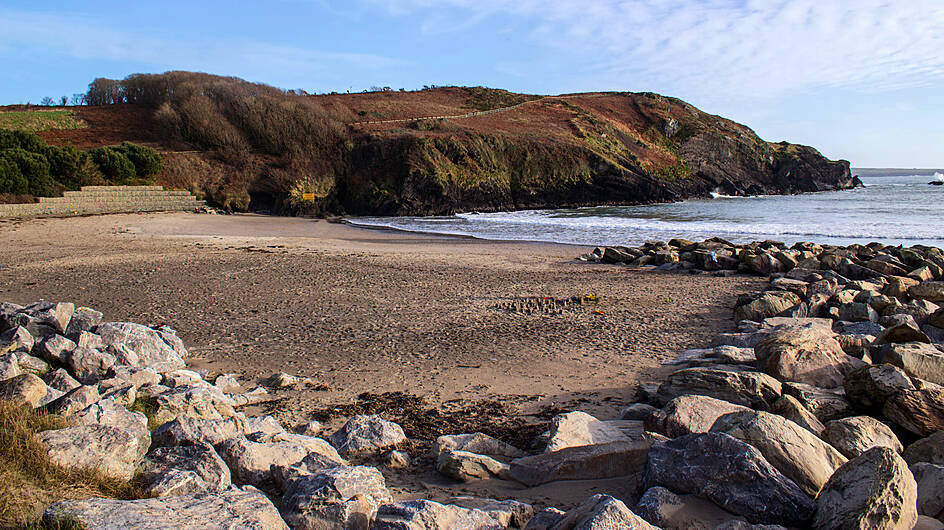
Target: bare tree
pixel 64 100
pixel 78 99
pixel 47 101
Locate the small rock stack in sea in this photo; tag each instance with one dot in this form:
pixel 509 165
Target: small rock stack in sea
pixel 824 410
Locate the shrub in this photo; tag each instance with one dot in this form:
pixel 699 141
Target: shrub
pixel 114 164
pixel 21 140
pixel 12 180
pixel 64 163
pixel 35 168
pixel 146 160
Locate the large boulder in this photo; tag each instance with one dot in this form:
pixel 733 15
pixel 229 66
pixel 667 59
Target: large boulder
pixel 367 434
pixel 793 450
pixel 510 514
pixel 669 511
pixel 919 411
pixel 825 403
pixel 930 479
pixel 602 512
pixel 929 449
pixel 730 473
pixel 478 443
pixel 199 401
pixel 9 367
pixel 17 339
pixel 791 408
pixel 83 319
pixel 615 459
pixel 23 389
pixel 116 452
pixel 920 360
pixel 574 429
pixel 61 380
pixel 148 345
pixel 769 304
pixel 869 387
pixel 234 508
pixel 856 435
pixel 164 465
pixel 191 431
pixel 750 389
pixel 336 497
pixel 252 461
pixel 901 328
pixel 807 354
pixel 428 515
pixel 74 401
pixel 931 291
pixel 873 490
pixel 89 365
pixel 689 414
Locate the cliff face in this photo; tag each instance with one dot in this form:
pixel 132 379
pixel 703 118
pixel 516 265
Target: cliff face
pixel 612 149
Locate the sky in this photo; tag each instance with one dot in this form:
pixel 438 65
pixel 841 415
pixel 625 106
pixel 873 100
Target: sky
pixel 861 80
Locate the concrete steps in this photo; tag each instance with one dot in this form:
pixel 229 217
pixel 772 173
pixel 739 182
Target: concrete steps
pixel 105 199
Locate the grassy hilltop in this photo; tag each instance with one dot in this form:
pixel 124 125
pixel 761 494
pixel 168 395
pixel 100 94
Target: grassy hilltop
pixel 435 151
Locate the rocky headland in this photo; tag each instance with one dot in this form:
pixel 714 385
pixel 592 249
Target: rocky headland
pixel 824 410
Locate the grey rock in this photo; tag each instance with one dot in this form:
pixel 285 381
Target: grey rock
pixel 262 424
pixel 902 328
pixel 790 408
pixel 800 455
pixel 83 319
pixel 856 435
pixel 669 511
pixel 751 389
pixel 61 380
pixel 545 519
pixel 690 414
pixel 923 361
pixel 74 401
pixel 429 515
pixel 233 509
pixel 918 411
pixel 825 403
pixel 732 474
pixel 367 434
pixel 181 378
pixel 114 451
pixel 808 354
pixel 478 443
pixel 769 304
pixel 56 348
pixel 17 339
pixel 510 514
pixel 89 340
pixel 929 449
pixel 228 384
pixel 23 389
pixel 614 459
pixel 466 466
pixel 930 479
pixel 396 460
pixel 575 429
pixel 251 461
pixel 200 460
pixel 337 497
pixel 147 344
pixel 137 376
pixel 205 402
pixel 55 316
pixel 931 291
pixel 9 367
pixel 873 490
pixel 869 387
pixel 602 512
pixel 637 412
pixel 32 365
pixel 190 431
pixel 89 366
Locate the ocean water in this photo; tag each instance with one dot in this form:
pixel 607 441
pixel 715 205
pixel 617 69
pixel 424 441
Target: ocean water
pixel 892 209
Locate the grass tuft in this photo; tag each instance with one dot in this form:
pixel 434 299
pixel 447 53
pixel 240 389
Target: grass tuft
pixel 30 481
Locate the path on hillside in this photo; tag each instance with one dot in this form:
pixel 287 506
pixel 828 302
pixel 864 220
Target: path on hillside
pixel 474 114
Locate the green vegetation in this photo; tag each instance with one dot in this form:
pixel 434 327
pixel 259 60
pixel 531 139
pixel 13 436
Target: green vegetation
pixel 148 406
pixel 39 120
pixel 30 167
pixel 482 98
pixel 29 481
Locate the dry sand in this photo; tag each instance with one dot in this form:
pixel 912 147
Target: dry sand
pixel 375 311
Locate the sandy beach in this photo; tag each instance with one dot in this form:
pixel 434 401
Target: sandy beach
pixel 374 311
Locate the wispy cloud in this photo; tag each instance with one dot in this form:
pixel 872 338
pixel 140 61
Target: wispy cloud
pixel 79 37
pixel 741 47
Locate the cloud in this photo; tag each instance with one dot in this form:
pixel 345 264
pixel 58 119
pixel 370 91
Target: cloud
pixel 43 34
pixel 760 48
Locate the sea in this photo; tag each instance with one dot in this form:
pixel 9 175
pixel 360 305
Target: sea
pixel 896 207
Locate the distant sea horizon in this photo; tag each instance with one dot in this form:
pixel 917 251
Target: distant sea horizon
pixel 896 206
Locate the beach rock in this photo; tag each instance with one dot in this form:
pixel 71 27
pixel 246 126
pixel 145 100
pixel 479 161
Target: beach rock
pixel 201 460
pixel 108 412
pixel 902 328
pixel 858 312
pixel 466 466
pixel 510 514
pixel 181 378
pixel 234 508
pixel 337 497
pixel 116 452
pixel 873 490
pixel 23 389
pixel 808 354
pixel 312 428
pixel 868 387
pixel 192 431
pixel 586 462
pixel 89 340
pixel 669 511
pixel 730 473
pixel 83 319
pixel 715 355
pixel 751 389
pixel 602 512
pixel 897 287
pixel 825 403
pixel 790 408
pixel 32 365
pixel 228 384
pixel 575 429
pixel 367 434
pixel 923 361
pixel 74 401
pixel 428 515
pixel 856 435
pixel 545 519
pixel 396 460
pixel 251 461
pixel 9 367
pixel 16 339
pixel 931 291
pixel 137 376
pixel 89 366
pixel 930 479
pixel 637 412
pixel 56 348
pixel 689 414
pixel 918 411
pixel 52 316
pixel 205 402
pixel 265 425
pixel 478 443
pixel 770 304
pixel 800 455
pixel 147 344
pixel 929 449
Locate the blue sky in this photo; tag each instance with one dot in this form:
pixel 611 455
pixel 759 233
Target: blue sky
pixel 858 79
